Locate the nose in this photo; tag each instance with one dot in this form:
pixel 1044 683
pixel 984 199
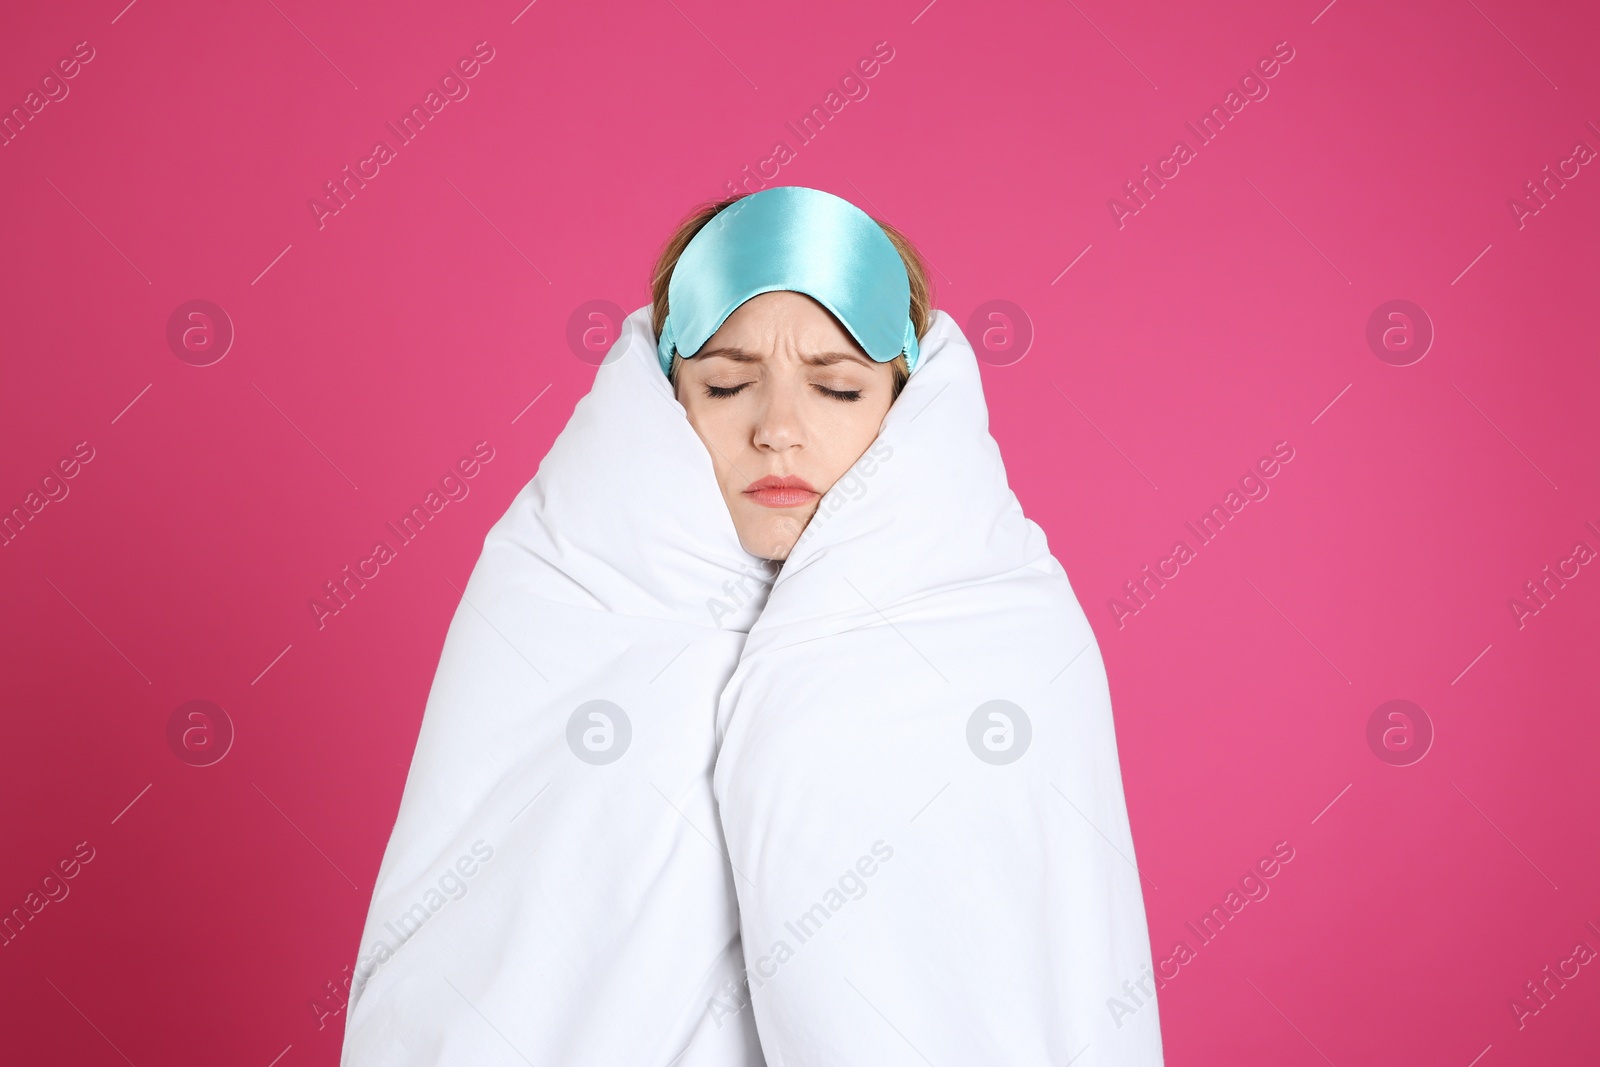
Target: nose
pixel 779 425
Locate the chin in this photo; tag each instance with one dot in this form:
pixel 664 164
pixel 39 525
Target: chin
pixel 769 545
pixel 776 554
pixel 772 536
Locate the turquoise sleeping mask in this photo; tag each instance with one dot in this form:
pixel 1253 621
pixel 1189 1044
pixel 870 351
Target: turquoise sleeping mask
pixel 800 240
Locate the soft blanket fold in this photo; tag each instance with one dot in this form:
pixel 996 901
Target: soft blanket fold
pixel 885 783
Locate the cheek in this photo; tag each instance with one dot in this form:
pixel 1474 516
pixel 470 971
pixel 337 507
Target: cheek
pixel 850 431
pixel 722 431
pixel 708 419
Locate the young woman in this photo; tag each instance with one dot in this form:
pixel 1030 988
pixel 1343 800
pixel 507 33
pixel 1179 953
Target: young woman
pixel 768 729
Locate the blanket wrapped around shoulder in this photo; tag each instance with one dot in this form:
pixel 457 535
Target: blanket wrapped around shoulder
pixel 672 806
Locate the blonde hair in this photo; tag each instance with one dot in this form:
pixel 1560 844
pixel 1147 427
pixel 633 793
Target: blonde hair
pixel 921 309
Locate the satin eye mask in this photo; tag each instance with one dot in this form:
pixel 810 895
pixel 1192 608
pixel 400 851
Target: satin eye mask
pixel 800 240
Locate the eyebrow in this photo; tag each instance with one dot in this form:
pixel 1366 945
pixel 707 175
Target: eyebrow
pixel 821 359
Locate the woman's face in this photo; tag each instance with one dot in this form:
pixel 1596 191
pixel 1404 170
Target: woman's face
pixel 782 392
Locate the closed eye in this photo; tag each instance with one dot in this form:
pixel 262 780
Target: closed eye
pixel 848 395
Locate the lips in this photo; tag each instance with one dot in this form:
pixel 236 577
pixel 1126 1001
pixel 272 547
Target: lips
pixel 788 491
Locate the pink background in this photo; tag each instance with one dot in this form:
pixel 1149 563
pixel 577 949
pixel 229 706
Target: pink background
pixel 1225 316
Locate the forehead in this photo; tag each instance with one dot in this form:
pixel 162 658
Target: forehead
pixel 768 318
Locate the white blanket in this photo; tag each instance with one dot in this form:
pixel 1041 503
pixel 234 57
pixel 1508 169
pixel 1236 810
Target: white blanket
pixel 896 801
